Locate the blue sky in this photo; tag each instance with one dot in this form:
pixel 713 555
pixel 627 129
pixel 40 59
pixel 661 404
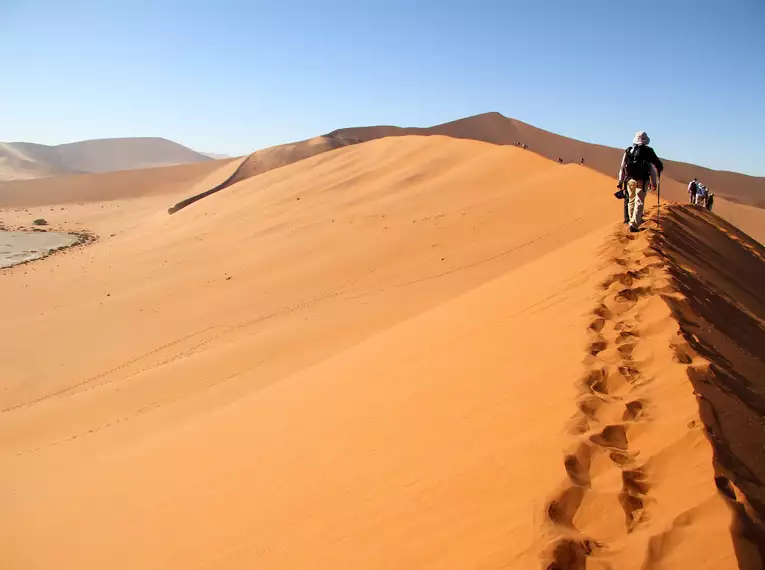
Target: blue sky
pixel 233 76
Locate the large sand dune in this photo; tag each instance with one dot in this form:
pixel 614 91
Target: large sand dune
pixel 498 129
pixel 81 188
pixel 416 352
pixel 20 160
pixel 739 197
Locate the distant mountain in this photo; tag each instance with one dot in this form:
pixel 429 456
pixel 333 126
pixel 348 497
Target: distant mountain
pixel 19 160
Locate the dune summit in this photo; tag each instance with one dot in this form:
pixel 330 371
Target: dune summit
pixel 739 197
pixel 402 353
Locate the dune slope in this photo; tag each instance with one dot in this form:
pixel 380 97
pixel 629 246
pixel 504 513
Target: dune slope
pixel 21 160
pixel 720 272
pixel 739 197
pixel 267 159
pixel 498 129
pixel 80 188
pixel 404 353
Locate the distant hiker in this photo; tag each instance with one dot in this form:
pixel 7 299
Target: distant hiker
pixel 581 162
pixel 560 160
pixel 710 201
pixel 525 147
pixel 701 194
pixel 640 169
pixel 692 187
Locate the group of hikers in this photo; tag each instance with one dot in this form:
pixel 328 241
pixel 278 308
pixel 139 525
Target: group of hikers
pixel 700 195
pixel 560 161
pixel 640 170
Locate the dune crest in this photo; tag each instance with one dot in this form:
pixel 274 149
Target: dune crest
pixel 408 353
pixel 636 431
pixel 739 197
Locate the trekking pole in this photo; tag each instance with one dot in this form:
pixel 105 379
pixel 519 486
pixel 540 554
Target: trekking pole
pixel 658 201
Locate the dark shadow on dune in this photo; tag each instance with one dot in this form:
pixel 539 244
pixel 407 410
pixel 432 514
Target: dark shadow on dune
pixel 721 273
pixel 196 197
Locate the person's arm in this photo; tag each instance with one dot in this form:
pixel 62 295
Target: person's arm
pixel 622 171
pixel 657 162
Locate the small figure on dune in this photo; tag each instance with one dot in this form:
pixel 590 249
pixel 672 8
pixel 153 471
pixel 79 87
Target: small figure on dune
pixel 581 162
pixel 560 160
pixel 525 147
pixel 701 194
pixel 710 201
pixel 640 169
pixel 692 188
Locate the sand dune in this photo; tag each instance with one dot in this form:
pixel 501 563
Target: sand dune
pixel 407 353
pixel 267 159
pixel 184 179
pixel 736 193
pixel 498 129
pixel 21 160
pixel 15 164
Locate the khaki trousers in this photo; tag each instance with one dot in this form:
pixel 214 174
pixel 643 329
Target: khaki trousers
pixel 636 195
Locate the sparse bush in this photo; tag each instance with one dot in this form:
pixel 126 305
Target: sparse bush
pixel 40 222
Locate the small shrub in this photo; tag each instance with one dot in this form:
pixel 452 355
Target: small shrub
pixel 40 222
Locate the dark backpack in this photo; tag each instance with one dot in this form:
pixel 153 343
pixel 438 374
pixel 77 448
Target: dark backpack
pixel 638 163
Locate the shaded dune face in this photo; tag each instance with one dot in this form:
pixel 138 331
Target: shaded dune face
pixel 411 352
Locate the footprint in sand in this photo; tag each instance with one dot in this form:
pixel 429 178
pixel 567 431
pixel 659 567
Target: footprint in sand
pixel 597 346
pixel 633 410
pixel 611 437
pixel 632 497
pixel 563 508
pixel 578 465
pixel 597 324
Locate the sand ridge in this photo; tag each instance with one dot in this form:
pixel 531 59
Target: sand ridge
pixel 631 411
pixel 366 358
pixel 739 197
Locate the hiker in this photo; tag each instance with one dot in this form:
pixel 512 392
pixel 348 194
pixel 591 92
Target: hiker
pixel 640 169
pixel 560 160
pixel 701 194
pixel 692 188
pixel 710 201
pixel 581 162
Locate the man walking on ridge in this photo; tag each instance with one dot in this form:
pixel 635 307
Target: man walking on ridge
pixel 640 169
pixel 692 188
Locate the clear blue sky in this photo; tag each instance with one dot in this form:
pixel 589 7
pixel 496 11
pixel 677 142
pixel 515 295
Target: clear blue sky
pixel 233 76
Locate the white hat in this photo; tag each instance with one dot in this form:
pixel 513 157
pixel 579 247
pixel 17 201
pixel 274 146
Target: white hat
pixel 641 137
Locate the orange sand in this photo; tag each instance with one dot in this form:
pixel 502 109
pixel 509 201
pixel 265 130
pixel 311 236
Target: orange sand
pixel 416 352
